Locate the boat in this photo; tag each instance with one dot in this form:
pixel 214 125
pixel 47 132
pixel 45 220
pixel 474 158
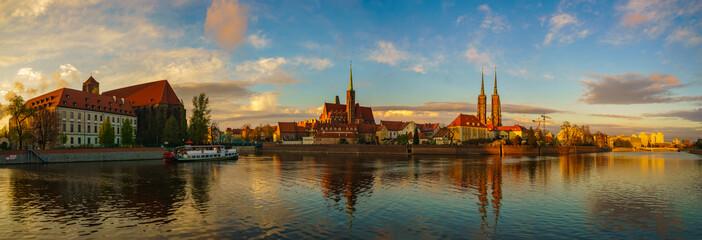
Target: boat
pixel 189 153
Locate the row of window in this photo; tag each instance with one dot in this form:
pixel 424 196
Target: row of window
pixel 87 128
pixel 119 119
pixel 79 140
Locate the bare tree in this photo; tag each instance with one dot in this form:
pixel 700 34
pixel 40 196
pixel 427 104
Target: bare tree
pixel 214 131
pixel 46 127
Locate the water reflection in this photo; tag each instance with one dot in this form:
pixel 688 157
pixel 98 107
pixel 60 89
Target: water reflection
pixel 610 195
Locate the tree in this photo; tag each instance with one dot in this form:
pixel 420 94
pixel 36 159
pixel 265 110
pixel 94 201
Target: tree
pixel 128 132
pixel 415 137
pixel 200 120
pixel 402 139
pixel 107 133
pixel 171 133
pixel 20 113
pixel 361 139
pixel 214 132
pixel 570 135
pixel 62 139
pixel 268 132
pixel 516 140
pixel 450 133
pixel 45 125
pixel 622 143
pixel 183 125
pixel 530 137
pixel 698 144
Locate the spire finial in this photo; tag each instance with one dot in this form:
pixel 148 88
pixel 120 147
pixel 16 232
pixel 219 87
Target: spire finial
pixel 350 76
pixel 495 92
pixel 482 82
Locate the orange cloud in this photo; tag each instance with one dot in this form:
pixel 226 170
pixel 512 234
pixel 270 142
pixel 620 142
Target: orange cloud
pixel 633 19
pixel 226 23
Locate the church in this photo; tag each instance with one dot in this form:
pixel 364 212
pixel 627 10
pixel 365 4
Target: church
pixel 496 119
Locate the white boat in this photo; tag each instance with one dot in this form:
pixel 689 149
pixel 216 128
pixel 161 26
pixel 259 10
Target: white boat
pixel 189 153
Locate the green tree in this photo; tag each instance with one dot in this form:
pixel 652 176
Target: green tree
pixel 19 131
pixel 402 139
pixel 698 144
pixel 200 120
pixel 415 137
pixel 127 133
pixel 516 140
pixel 361 139
pixel 62 139
pixel 183 125
pixel 171 132
pixel 107 133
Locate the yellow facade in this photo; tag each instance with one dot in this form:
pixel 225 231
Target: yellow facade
pixel 465 133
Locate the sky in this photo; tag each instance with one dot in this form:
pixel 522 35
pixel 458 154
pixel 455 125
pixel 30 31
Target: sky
pixel 621 67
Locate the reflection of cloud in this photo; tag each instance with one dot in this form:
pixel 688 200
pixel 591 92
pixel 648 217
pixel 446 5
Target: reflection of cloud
pixel 633 88
pixel 226 22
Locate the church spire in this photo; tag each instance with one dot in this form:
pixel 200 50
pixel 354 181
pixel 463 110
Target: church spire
pixel 350 77
pixel 495 92
pixel 482 82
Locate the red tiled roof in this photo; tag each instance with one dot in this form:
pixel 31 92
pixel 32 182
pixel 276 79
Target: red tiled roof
pixel 421 135
pixel 366 128
pixel 89 81
pixel 466 120
pixel 71 98
pixel 290 127
pixel 234 130
pixel 394 125
pixel 427 127
pixel 365 113
pixel 441 133
pixel 515 128
pixel 158 92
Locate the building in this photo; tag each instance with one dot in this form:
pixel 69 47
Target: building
pixel 338 123
pixel 467 127
pixel 81 113
pixel 441 137
pixel 234 133
pixel 154 103
pixel 496 112
pixel 290 131
pixel 428 129
pixel 389 130
pixel 505 132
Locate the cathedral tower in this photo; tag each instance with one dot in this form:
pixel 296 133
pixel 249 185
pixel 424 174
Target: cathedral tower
pixel 91 85
pixel 482 102
pixel 496 107
pixel 351 99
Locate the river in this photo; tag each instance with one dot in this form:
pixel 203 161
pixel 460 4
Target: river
pixel 293 196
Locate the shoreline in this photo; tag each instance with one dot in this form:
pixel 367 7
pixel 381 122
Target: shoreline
pixel 428 149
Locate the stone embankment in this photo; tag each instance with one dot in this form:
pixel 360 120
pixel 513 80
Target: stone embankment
pixel 428 149
pixel 80 155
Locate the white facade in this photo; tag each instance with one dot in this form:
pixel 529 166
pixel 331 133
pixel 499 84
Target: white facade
pixel 82 127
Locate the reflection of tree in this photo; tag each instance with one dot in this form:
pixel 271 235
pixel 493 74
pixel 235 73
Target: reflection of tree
pixel 348 179
pixel 200 185
pixel 482 176
pixel 138 190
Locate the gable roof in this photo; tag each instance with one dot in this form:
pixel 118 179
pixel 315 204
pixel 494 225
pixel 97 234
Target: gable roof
pixel 153 93
pixel 71 98
pixel 394 125
pixel 365 113
pixel 441 133
pixel 427 127
pixel 89 81
pixel 290 127
pixel 466 120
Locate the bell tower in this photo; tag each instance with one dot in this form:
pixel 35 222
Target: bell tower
pixel 496 107
pixel 91 85
pixel 351 99
pixel 482 101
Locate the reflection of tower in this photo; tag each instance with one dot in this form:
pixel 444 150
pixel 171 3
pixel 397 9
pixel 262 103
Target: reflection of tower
pixel 486 178
pixel 496 107
pixel 482 108
pixel 351 99
pixel 346 179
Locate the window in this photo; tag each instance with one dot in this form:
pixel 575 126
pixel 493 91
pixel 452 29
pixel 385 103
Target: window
pixel 78 140
pixel 87 128
pixel 88 140
pixel 71 127
pixel 88 117
pixel 71 115
pixel 101 118
pixel 96 140
pixel 96 131
pixel 71 140
pixel 64 127
pixel 79 116
pixel 63 114
pixel 79 127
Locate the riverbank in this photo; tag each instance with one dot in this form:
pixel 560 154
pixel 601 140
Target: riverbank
pixel 427 149
pixel 696 151
pixel 79 155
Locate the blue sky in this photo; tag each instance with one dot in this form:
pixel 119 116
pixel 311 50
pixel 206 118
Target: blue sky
pixel 622 67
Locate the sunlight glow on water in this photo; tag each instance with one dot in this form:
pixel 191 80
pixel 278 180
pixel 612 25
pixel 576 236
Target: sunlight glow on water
pixel 607 195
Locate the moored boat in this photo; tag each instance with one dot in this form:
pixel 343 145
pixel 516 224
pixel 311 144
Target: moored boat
pixel 190 153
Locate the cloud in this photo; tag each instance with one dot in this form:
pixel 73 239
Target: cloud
pixel 264 101
pixel 258 40
pixel 694 115
pixel 466 107
pixel 548 76
pixel 525 109
pixel 387 53
pixel 633 88
pixel 651 19
pixel 228 89
pixel 226 23
pixel 493 21
pixel 564 28
pixel 314 62
pixel 459 20
pixel 616 116
pixel 267 71
pixel 685 35
pixel 478 58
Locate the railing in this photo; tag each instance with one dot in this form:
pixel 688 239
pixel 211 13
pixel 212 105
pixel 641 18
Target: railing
pixel 31 152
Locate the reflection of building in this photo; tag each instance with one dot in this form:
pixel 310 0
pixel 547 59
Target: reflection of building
pixel 82 112
pixel 467 127
pixel 486 179
pixel 347 180
pixel 649 140
pixel 154 103
pixel 635 141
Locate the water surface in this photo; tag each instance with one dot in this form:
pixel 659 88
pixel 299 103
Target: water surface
pixel 604 195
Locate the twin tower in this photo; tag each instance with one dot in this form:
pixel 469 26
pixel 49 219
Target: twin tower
pixel 496 119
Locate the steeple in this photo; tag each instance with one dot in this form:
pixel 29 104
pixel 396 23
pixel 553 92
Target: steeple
pixel 495 92
pixel 350 77
pixel 482 82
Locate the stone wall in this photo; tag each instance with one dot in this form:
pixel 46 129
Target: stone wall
pixel 335 148
pixel 81 155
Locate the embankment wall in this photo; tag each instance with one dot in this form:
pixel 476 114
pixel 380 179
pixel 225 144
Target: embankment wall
pixel 81 155
pixel 428 149
pixel 335 148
